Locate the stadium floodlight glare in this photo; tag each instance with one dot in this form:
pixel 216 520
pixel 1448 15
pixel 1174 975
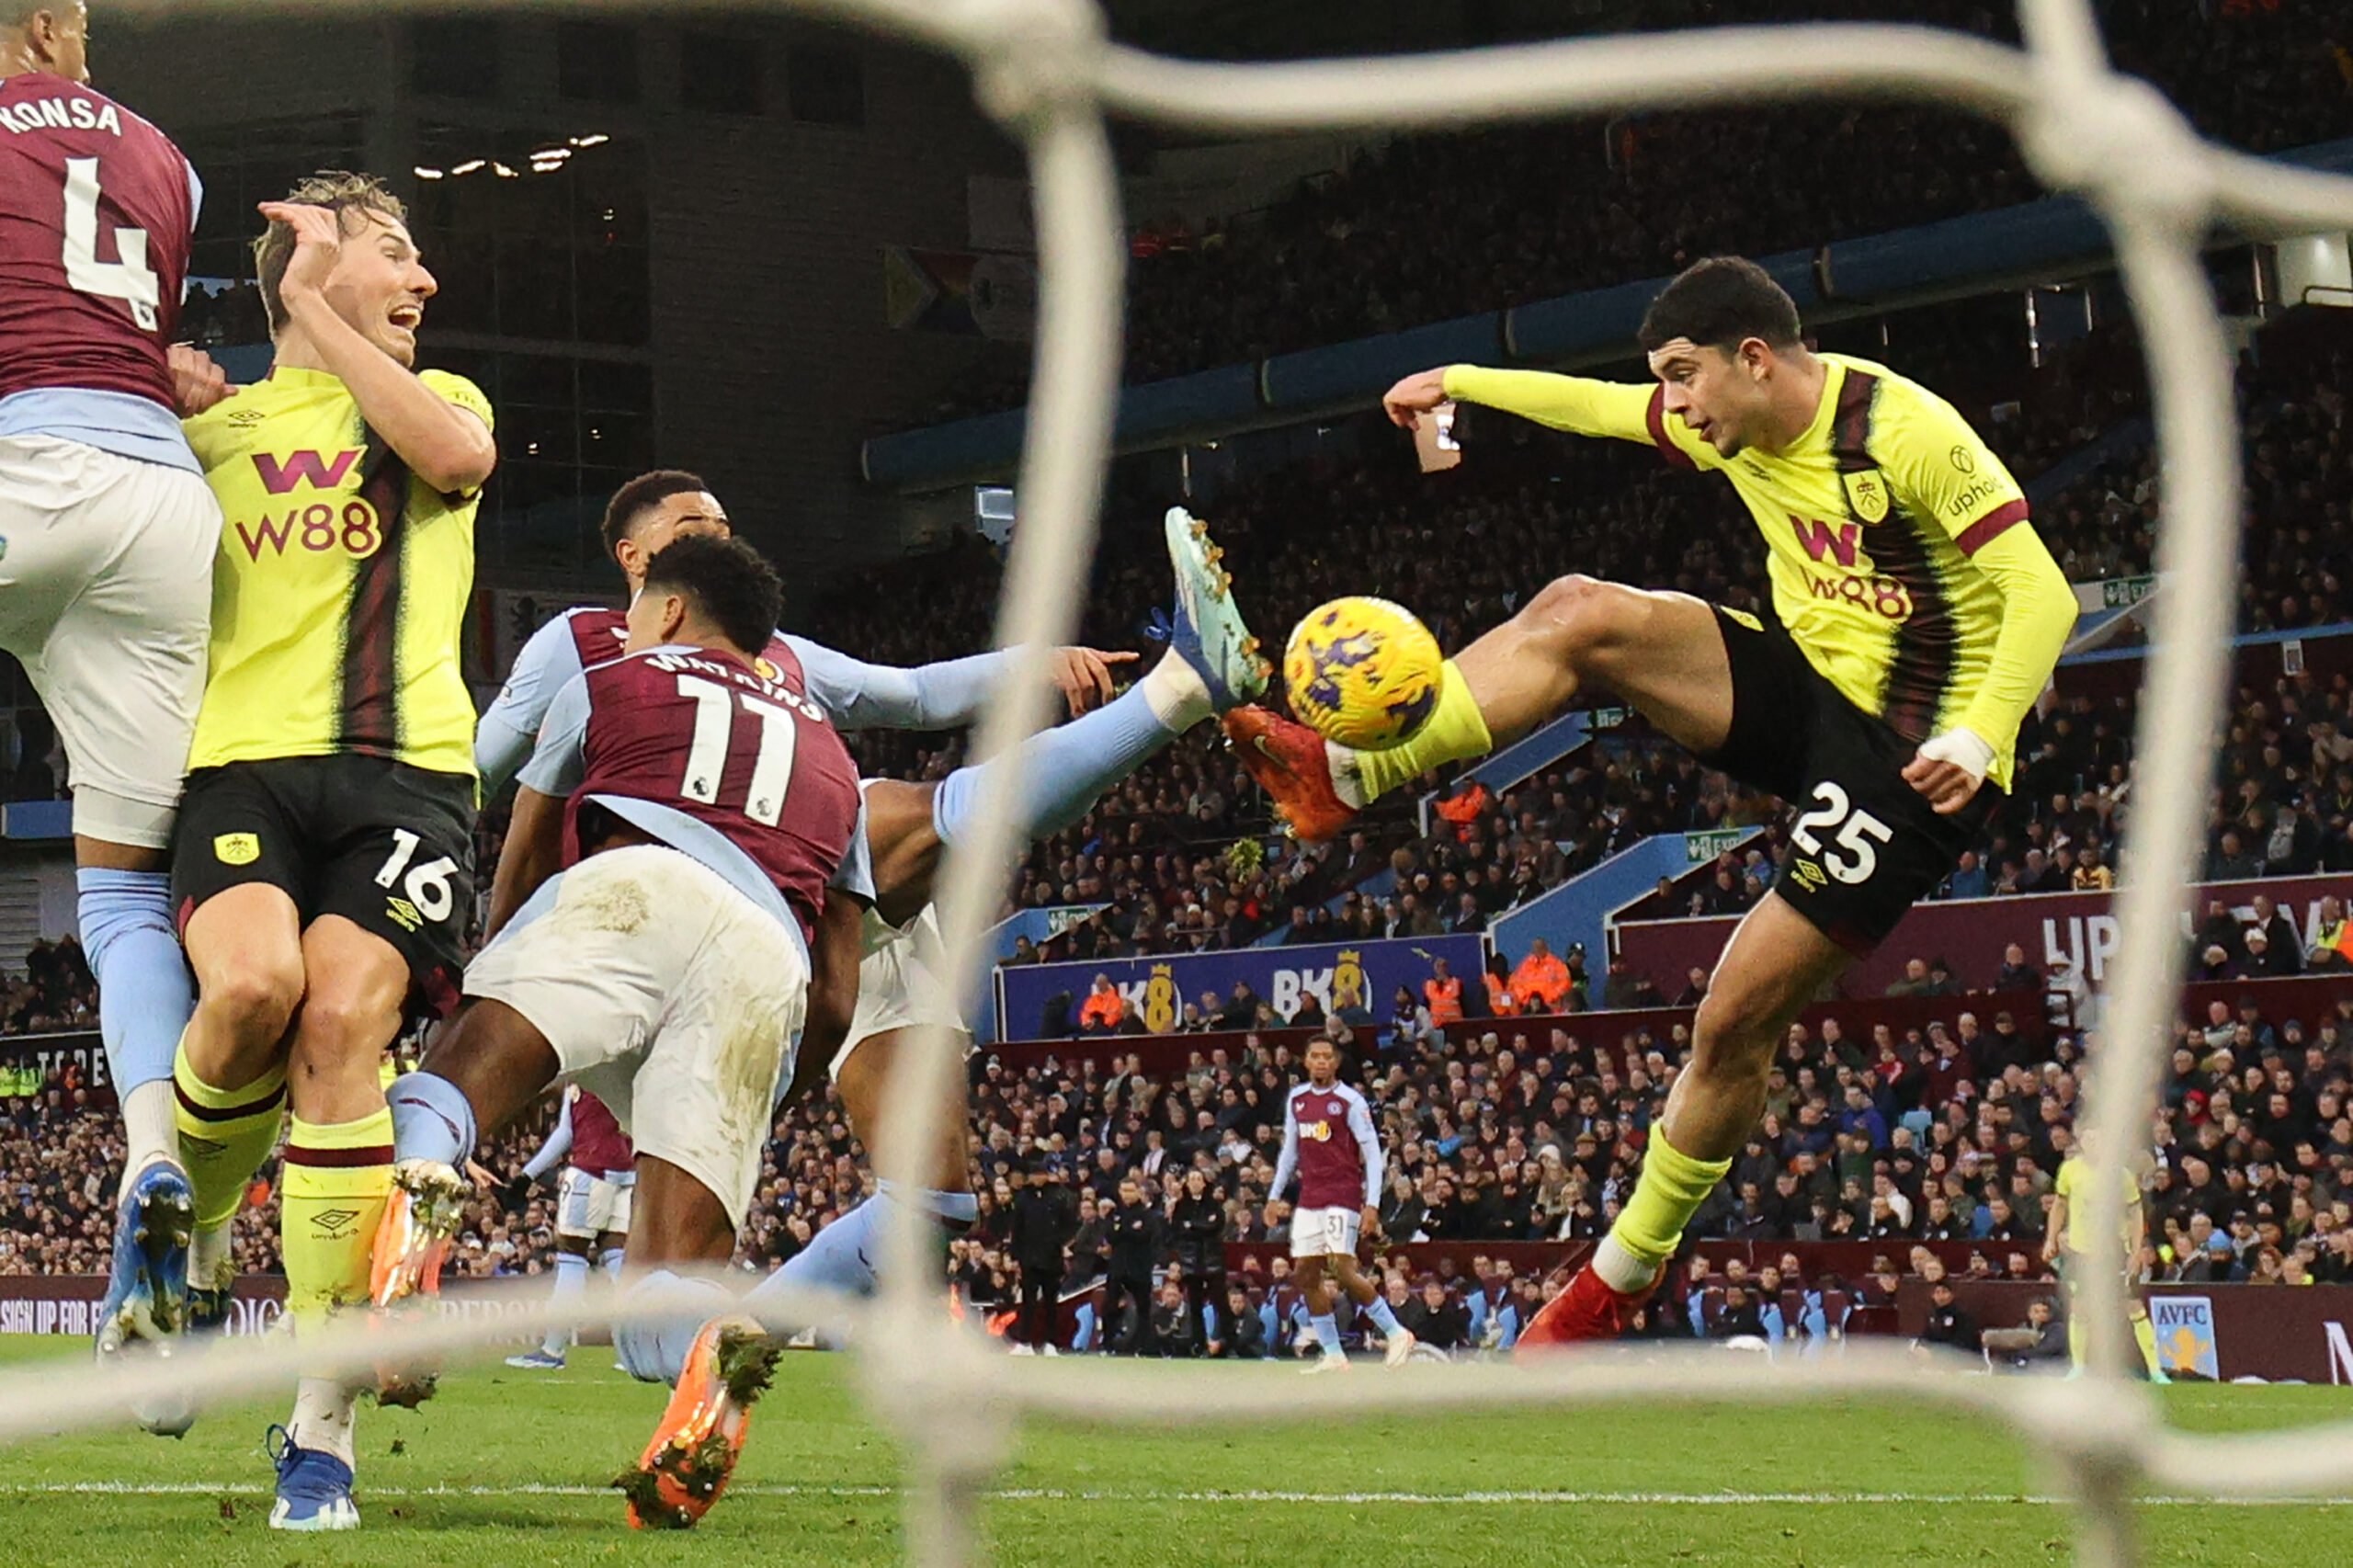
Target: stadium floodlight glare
pixel 1046 72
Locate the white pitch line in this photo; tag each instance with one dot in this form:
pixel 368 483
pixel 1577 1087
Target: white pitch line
pixel 1069 1494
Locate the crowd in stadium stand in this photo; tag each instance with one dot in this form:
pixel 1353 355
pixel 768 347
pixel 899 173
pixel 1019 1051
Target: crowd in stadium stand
pixel 1435 227
pixel 1500 1129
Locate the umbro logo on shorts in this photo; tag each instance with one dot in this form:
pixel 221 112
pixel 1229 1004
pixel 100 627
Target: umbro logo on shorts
pixel 403 914
pixel 237 848
pixel 333 1225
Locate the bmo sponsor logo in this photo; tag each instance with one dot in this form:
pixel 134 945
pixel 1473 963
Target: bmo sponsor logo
pixel 2340 1352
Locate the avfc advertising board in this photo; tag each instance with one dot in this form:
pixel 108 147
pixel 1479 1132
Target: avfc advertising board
pixel 1156 989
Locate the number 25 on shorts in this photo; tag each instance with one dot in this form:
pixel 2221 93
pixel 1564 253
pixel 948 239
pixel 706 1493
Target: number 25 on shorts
pixel 1851 855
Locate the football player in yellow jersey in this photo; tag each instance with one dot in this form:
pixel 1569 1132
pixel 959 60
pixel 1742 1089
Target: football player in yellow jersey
pixel 324 865
pixel 1916 618
pixel 2068 1242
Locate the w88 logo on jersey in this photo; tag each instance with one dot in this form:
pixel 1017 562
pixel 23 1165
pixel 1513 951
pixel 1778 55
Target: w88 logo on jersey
pixel 316 528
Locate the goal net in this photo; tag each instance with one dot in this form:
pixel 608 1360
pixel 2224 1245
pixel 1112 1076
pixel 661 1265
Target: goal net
pixel 1046 72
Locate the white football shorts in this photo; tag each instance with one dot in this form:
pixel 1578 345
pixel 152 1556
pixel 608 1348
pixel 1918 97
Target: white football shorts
pixel 1320 1232
pixel 106 595
pixel 667 994
pixel 588 1206
pixel 902 982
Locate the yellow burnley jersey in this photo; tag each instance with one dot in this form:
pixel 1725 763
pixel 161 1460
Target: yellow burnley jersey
pixel 340 594
pixel 1871 520
pixel 2073 1184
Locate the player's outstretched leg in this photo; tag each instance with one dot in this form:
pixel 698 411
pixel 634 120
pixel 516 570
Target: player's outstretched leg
pixel 1661 652
pixel 1775 962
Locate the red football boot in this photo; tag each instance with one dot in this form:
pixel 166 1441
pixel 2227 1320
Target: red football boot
pixel 1288 762
pixel 1589 1310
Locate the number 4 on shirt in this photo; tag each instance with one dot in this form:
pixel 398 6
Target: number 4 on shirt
pixel 129 280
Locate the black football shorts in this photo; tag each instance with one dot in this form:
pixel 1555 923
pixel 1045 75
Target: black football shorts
pixel 386 845
pixel 1866 844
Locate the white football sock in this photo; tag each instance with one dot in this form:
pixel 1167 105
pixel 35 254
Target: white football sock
pixel 150 1130
pixel 1344 780
pixel 1179 696
pixel 324 1409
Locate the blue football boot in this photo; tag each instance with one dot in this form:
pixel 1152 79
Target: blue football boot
pixel 313 1487
pixel 147 1292
pixel 1208 633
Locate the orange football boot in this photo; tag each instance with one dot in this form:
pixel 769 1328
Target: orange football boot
pixel 686 1465
pixel 423 1211
pixel 1288 762
pixel 1589 1310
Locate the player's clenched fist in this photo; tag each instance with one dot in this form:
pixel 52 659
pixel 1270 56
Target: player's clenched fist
pixel 196 383
pixel 1416 395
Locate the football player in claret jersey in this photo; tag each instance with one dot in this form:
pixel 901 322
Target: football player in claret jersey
pixel 1211 665
pixel 592 1206
pixel 1331 1144
pixel 1916 617
pixel 110 533
pixel 323 867
pixel 675 914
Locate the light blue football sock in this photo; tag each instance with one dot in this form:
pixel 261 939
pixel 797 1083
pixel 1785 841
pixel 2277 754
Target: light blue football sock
pixel 654 1350
pixel 1327 1332
pixel 571 1288
pixel 1382 1317
pixel 146 993
pixel 1064 769
pixel 431 1120
pixel 610 1261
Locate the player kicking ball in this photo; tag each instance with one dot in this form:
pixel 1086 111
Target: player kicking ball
pixel 1331 1144
pixel 1916 617
pixel 670 947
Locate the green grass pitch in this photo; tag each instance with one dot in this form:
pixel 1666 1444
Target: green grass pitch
pixel 507 1468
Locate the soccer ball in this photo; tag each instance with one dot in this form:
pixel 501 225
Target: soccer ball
pixel 1363 672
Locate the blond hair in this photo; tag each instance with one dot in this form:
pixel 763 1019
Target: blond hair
pixel 339 190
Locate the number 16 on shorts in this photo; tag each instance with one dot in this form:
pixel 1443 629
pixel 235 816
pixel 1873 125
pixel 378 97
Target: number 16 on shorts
pixel 427 892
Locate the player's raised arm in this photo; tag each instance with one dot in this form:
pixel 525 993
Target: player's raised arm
pixel 1624 411
pixel 1938 467
pixel 946 695
pixel 445 442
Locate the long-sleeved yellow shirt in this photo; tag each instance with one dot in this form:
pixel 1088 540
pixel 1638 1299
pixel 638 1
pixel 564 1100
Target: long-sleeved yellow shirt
pixel 1900 558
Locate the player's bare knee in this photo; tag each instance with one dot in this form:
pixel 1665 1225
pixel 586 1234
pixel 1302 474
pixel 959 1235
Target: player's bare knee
pixel 251 1002
pixel 340 1024
pixel 1587 623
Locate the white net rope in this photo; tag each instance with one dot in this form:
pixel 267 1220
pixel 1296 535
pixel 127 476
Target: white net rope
pixel 1046 72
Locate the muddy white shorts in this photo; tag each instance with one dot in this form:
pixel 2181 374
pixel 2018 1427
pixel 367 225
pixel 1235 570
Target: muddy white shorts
pixel 667 994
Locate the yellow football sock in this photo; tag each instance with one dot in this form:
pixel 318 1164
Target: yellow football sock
pixel 337 1177
pixel 1672 1187
pixel 2074 1337
pixel 2144 1334
pixel 225 1134
pixel 1456 730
